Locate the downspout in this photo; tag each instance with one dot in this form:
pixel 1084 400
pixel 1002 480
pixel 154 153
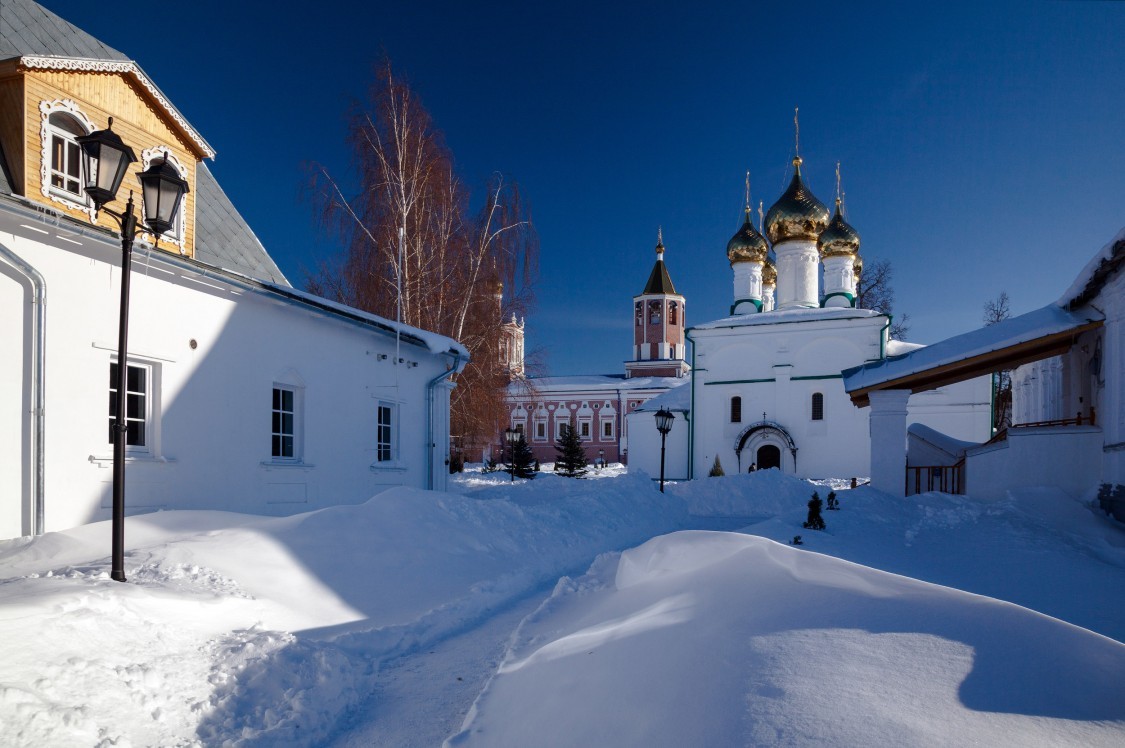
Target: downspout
pixel 691 420
pixel 884 336
pixel 38 384
pixel 431 386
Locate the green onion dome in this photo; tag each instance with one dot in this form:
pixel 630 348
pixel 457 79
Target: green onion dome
pixel 797 214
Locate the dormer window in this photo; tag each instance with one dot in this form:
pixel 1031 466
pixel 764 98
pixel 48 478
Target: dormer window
pixel 61 171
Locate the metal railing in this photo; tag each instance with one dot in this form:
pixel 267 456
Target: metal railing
pixel 944 478
pixel 1078 420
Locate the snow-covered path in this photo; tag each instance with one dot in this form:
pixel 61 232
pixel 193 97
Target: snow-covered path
pixel 421 699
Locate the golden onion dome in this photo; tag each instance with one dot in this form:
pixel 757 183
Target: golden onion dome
pixel 747 245
pixel 839 239
pixel 769 273
pixel 797 214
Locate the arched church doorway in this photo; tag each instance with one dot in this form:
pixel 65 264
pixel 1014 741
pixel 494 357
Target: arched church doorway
pixel 766 444
pixel 769 456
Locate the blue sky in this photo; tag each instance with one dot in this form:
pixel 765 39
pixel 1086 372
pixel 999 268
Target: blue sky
pixel 981 144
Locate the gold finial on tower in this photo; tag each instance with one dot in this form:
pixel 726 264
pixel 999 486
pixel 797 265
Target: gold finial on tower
pixel 659 240
pixel 761 215
pixel 747 189
pixel 839 194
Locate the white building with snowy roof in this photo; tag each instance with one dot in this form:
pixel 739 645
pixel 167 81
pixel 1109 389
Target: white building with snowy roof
pixel 766 388
pixel 243 393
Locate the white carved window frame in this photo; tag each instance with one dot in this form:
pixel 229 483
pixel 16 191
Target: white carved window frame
pixel 175 235
pixel 47 134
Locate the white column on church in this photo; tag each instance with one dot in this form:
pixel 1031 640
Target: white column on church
pixel 839 278
pixel 798 264
pixel 747 286
pixel 887 426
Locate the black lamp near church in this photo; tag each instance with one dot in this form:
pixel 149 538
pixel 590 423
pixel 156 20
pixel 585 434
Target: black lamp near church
pixel 107 158
pixel 512 436
pixel 664 418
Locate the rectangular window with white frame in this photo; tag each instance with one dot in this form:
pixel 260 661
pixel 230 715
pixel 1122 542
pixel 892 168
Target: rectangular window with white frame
pixel 607 428
pixel 385 442
pixel 540 431
pixel 138 406
pixel 285 424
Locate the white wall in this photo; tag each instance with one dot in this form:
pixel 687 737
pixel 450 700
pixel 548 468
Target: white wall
pixel 644 446
pixel 211 446
pixel 1066 457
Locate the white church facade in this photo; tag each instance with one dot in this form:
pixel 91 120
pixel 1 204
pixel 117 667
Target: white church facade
pixel 767 389
pixel 243 394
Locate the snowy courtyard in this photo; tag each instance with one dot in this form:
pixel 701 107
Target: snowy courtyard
pixel 594 612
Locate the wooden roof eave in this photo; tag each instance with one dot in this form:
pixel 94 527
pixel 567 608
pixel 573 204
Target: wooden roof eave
pixel 1008 357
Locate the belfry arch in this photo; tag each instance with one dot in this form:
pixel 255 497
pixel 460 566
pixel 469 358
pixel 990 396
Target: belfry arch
pixel 765 434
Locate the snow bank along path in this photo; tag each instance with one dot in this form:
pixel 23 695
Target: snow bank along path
pixel 721 639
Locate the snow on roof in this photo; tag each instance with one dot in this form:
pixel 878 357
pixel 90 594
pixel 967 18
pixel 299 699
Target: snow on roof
pixel 944 442
pixel 596 382
pixel 1087 276
pixel 901 347
pixel 787 315
pixel 678 399
pixel 434 342
pixel 1040 323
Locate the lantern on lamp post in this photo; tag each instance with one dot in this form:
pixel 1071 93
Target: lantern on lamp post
pixel 106 159
pixel 511 436
pixel 664 420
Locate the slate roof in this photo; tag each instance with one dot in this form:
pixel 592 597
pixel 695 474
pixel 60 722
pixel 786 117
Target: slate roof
pixel 222 236
pixel 27 28
pixel 659 281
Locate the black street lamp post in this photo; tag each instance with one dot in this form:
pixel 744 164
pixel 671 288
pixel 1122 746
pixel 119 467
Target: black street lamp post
pixel 512 436
pixel 664 420
pixel 107 158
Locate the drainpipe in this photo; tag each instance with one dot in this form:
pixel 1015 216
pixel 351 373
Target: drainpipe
pixel 431 386
pixel 691 420
pixel 38 382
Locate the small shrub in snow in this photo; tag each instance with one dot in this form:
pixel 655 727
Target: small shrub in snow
pixel 491 466
pixel 833 503
pixel 1111 498
pixel 796 540
pixel 716 469
pixel 815 521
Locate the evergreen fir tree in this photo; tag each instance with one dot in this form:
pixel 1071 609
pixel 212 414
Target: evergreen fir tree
pixel 523 459
pixel 815 521
pixel 716 469
pixel 571 461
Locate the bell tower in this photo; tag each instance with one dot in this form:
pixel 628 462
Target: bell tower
pixel 658 325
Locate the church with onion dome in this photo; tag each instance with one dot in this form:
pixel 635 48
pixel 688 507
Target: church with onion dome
pixel 766 387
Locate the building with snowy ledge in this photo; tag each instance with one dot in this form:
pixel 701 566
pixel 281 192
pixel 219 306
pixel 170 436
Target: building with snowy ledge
pixel 244 394
pixel 596 405
pixel 766 388
pixel 1068 395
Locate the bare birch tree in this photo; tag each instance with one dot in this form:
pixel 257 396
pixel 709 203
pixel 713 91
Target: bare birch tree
pixel 415 249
